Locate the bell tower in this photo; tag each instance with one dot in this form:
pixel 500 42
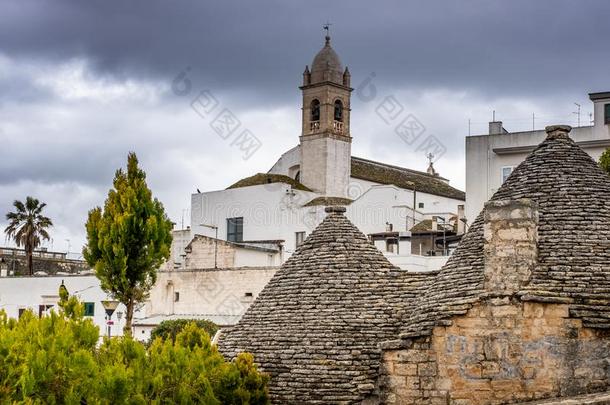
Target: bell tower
pixel 325 136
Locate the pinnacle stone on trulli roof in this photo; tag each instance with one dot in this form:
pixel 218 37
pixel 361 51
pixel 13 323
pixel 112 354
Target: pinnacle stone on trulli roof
pixel 572 194
pixel 316 326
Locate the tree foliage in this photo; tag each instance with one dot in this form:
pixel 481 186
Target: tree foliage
pixel 171 328
pixel 56 359
pixel 129 239
pixel 28 227
pixel 604 161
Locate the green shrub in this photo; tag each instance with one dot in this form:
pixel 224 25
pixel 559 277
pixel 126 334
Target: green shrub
pixel 604 161
pixel 170 329
pixel 56 359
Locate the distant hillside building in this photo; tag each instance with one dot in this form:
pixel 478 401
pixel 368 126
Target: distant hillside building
pixel 490 158
pixel 521 311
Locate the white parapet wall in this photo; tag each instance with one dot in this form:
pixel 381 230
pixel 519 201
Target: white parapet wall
pixel 417 263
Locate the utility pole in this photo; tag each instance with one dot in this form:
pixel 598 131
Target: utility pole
pixel 533 121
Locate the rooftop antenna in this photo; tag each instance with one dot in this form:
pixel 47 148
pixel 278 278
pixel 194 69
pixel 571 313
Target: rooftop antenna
pixel 577 112
pixel 533 121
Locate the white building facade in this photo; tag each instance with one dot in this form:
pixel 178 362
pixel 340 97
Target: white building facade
pixel 41 295
pixel 491 158
pixel 285 204
pixel 240 236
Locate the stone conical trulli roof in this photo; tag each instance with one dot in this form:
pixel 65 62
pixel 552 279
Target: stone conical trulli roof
pixel 316 326
pixel 573 198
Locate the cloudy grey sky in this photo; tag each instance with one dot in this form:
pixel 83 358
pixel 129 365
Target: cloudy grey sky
pixel 84 82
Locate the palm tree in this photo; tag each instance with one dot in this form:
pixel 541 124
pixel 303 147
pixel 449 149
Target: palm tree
pixel 27 226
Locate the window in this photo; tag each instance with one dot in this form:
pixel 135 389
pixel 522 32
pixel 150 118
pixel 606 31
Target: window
pixel 42 309
pixel 315 110
pixel 420 205
pixel 248 295
pixel 300 238
pixel 391 246
pixel 338 111
pixel 606 114
pixel 176 296
pixel 297 176
pixel 506 171
pixel 235 229
pixel 21 311
pixel 89 308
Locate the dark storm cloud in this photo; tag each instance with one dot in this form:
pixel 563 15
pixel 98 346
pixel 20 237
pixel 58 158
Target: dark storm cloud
pixel 493 46
pixel 84 82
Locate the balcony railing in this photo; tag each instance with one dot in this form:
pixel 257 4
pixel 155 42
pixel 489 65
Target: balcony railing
pixel 337 127
pixel 314 126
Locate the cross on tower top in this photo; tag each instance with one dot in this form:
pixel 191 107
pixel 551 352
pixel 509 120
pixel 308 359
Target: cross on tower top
pixel 430 157
pixel 327 28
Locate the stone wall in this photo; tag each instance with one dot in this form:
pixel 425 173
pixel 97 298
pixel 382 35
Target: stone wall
pixel 18 266
pixel 499 352
pixel 201 252
pixel 511 235
pixel 220 292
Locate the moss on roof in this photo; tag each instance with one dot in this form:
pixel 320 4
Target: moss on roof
pixel 328 201
pixel 423 226
pixel 268 178
pixel 405 178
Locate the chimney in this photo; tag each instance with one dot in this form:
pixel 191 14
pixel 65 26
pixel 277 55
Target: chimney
pixel 601 115
pixel 434 224
pixel 461 225
pixel 511 251
pixel 495 128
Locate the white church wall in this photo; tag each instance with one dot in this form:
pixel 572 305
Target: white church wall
pixel 359 190
pixel 276 212
pixel 270 212
pixel 381 204
pixel 287 161
pixel 436 205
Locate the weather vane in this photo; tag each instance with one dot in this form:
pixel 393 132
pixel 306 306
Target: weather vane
pixel 327 28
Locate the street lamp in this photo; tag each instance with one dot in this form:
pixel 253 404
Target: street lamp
pixel 109 306
pixel 215 228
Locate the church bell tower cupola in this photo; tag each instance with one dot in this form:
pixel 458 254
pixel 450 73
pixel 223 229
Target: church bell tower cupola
pixel 325 136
